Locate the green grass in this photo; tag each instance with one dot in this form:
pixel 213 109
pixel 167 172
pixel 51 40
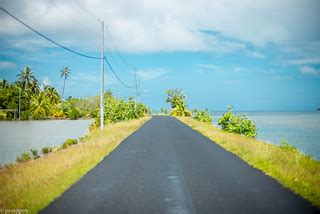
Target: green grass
pixel 296 171
pixel 34 184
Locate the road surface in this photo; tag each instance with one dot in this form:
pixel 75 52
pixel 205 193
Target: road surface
pixel 166 167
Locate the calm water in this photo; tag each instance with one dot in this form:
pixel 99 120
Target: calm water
pixel 301 129
pixel 18 137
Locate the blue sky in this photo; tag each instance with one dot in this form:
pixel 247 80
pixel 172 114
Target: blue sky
pixel 253 56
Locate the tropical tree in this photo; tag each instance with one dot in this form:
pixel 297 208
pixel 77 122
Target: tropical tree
pixel 175 97
pixel 26 77
pixel 4 83
pixel 65 72
pixel 52 95
pixel 39 107
pixel 34 86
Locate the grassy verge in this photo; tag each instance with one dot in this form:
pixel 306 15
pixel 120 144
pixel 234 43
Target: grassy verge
pixel 34 184
pixel 292 169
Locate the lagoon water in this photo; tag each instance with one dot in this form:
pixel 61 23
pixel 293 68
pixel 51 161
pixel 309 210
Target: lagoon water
pixel 17 137
pixel 301 129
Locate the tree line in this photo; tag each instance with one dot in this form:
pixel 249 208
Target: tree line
pixel 26 99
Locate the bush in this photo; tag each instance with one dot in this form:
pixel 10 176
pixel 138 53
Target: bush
pixel 3 115
pixel 46 150
pixel 238 124
pixel 25 115
pixel 202 115
pixel 69 142
pixel 116 110
pixel 24 157
pixel 34 153
pixel 285 145
pixel 73 113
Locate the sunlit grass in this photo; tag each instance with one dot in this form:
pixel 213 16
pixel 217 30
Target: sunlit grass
pixel 34 184
pixel 292 169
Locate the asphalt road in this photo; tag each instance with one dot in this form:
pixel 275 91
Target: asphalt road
pixel 166 167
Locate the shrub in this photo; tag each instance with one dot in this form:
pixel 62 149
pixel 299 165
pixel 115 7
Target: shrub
pixel 116 109
pixel 202 115
pixel 46 150
pixel 238 124
pixel 34 153
pixel 3 115
pixel 285 145
pixel 24 157
pixel 73 113
pixel 69 142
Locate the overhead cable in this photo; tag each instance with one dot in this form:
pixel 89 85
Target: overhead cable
pixel 47 38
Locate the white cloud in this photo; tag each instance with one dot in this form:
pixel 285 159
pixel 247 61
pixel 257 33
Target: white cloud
pixel 168 25
pixel 152 73
pixel 46 81
pixel 255 54
pixel 309 70
pixel 304 61
pixel 208 66
pixel 7 65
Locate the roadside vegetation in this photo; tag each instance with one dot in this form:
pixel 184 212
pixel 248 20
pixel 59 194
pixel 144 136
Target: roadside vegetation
pixel 36 181
pixel 120 109
pixel 239 124
pixel 229 122
pixel 285 163
pixel 38 101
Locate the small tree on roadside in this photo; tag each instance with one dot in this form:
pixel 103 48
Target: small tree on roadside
pixel 176 99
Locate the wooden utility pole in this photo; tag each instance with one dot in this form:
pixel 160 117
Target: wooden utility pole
pixel 102 80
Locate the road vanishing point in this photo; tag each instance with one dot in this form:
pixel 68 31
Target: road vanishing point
pixel 167 167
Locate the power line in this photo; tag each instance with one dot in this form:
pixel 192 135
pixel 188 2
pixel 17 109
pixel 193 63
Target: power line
pixel 47 38
pixel 115 74
pixel 88 12
pixel 68 49
pixel 72 19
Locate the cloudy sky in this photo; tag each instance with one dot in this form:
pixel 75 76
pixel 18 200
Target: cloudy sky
pixel 254 55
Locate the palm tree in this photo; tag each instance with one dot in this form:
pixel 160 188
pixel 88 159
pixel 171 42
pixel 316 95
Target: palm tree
pixel 52 95
pixel 26 77
pixel 34 86
pixel 65 72
pixel 4 83
pixel 40 106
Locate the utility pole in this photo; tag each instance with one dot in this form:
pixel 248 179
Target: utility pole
pixel 19 104
pixel 102 79
pixel 136 86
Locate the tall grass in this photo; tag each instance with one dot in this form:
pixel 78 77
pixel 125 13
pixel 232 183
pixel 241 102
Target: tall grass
pixel 296 171
pixel 34 184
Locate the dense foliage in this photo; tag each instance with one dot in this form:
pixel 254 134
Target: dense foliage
pixel 41 101
pixel 239 124
pixel 120 109
pixel 202 115
pixel 176 99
